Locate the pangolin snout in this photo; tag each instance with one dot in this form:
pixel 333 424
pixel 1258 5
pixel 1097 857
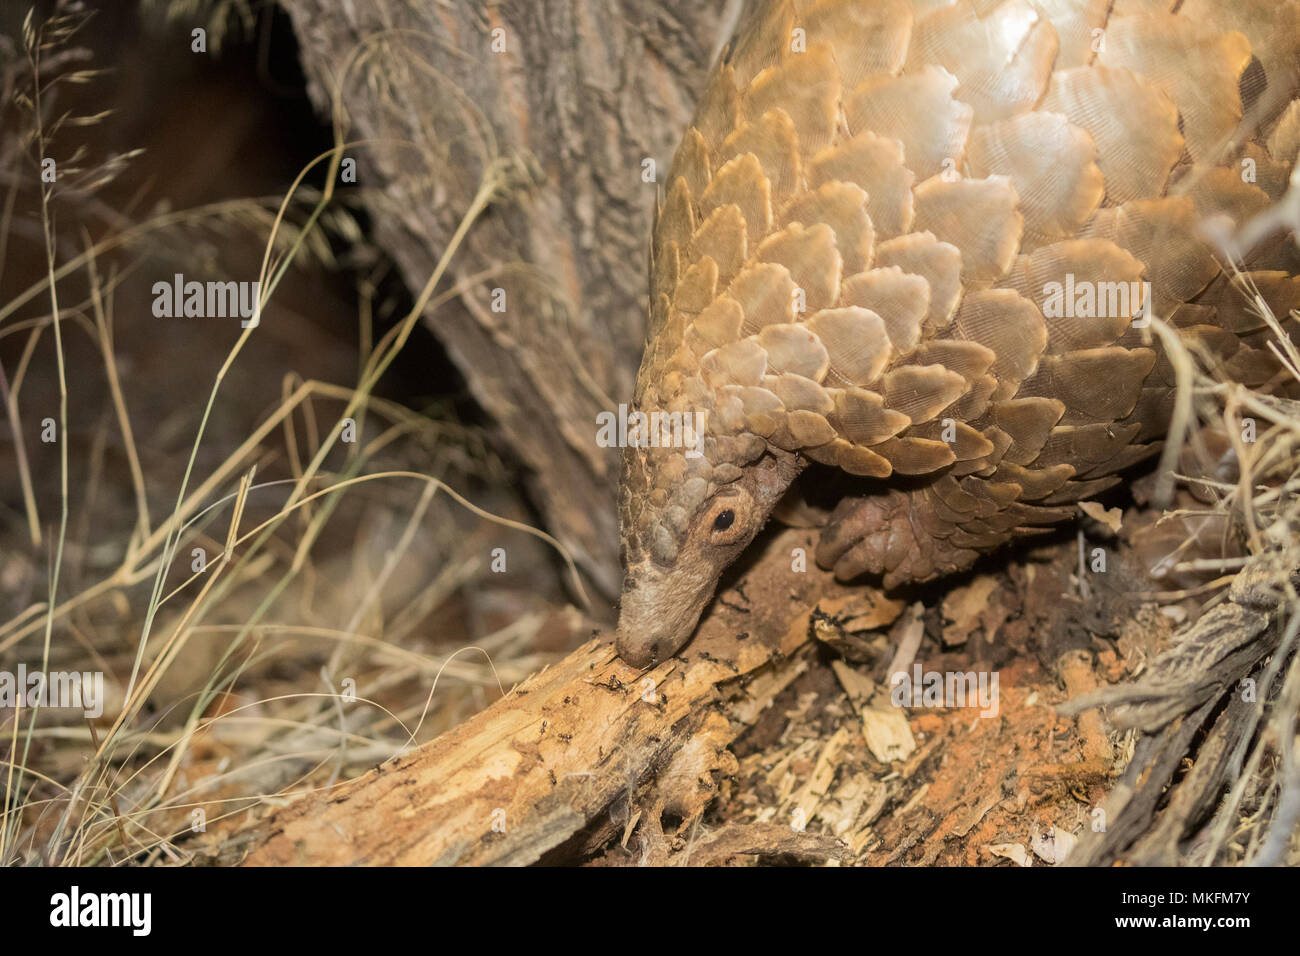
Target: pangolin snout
pixel 637 651
pixel 658 613
pixel 644 639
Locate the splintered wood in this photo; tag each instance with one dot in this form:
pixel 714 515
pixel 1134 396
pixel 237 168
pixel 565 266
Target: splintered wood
pixel 569 758
pixel 774 735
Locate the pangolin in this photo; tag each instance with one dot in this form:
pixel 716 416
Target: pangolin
pixel 917 241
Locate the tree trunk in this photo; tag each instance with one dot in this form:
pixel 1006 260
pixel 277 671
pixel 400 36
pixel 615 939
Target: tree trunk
pixel 549 322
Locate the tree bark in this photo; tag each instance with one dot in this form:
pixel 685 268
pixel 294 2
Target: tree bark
pixel 580 92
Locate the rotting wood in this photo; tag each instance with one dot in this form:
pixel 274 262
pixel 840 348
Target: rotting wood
pixel 572 749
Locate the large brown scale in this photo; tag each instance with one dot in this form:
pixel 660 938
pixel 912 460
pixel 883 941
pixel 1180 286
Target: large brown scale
pixel 875 251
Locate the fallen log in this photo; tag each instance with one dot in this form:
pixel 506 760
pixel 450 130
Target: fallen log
pixel 578 752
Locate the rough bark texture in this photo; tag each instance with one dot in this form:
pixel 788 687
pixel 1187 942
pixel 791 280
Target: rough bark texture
pixel 561 765
pixel 579 93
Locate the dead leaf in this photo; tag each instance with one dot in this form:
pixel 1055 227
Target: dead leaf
pixel 1112 518
pixel 965 608
pixel 1014 852
pixel 1053 846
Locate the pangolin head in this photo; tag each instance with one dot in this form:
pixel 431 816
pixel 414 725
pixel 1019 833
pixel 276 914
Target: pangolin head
pixel 698 485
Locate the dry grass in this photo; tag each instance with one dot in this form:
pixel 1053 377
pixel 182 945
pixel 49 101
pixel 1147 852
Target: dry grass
pixel 1258 820
pixel 1239 804
pixel 300 649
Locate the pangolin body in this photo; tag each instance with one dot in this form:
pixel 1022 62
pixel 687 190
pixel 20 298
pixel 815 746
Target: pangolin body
pixel 916 240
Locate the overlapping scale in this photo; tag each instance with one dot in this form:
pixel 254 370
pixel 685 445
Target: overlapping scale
pixel 900 298
pixel 806 86
pixel 865 38
pixel 874 163
pixel 919 111
pixel 1053 166
pixel 774 142
pixel 856 341
pixel 1079 29
pixel 1164 235
pixel 980 217
pixel 1196 65
pixel 843 207
pixel 1002 61
pixel 911 238
pixel 810 256
pixel 1132 122
pixel 1010 327
pixel 1088 291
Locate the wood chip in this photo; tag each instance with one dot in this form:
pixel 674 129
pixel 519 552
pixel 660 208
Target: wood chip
pixel 884 726
pixel 1014 852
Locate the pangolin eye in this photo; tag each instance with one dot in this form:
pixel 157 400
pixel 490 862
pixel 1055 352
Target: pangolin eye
pixel 724 520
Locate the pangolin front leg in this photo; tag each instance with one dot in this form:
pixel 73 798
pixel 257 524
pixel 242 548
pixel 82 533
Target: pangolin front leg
pixel 911 239
pixel 891 534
